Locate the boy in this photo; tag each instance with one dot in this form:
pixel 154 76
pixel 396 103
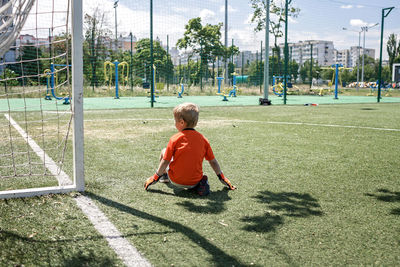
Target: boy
pixel 185 153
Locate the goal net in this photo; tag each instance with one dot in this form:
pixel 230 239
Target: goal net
pixel 41 128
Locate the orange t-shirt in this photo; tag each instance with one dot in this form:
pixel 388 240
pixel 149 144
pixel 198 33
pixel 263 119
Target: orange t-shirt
pixel 188 149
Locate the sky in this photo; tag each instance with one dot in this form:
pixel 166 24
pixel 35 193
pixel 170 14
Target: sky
pixel 317 20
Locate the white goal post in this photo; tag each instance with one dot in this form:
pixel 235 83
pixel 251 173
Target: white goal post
pixel 74 123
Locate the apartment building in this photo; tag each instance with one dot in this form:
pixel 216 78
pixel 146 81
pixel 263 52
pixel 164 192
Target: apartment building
pixel 322 51
pixel 356 52
pixel 342 57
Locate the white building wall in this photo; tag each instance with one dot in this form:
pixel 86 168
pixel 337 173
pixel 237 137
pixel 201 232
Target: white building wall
pixel 356 52
pixel 301 51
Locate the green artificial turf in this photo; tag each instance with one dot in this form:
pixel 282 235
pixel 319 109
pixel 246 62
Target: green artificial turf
pixel 316 186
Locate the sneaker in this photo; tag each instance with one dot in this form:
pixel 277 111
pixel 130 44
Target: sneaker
pixel 203 188
pixel 164 178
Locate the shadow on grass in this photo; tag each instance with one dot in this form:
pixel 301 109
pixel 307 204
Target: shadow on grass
pixel 220 258
pixel 387 196
pixel 215 203
pixel 54 251
pixel 281 205
pixel 215 200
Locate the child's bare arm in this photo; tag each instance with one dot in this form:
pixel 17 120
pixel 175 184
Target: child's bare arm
pixel 217 169
pixel 160 171
pixel 215 165
pixel 162 167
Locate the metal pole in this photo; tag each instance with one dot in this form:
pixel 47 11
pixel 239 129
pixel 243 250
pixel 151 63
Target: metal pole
pixel 201 69
pixel 358 59
pixel 364 29
pixel 380 54
pixel 116 33
pixel 261 59
pixel 266 62
pixel 336 80
pixel 286 51
pixel 167 63
pixel 131 67
pixel 311 64
pixel 151 55
pixel 242 63
pixel 226 41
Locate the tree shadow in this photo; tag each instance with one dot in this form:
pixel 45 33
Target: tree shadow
pixel 88 259
pixel 219 257
pixel 49 248
pixel 281 205
pixel 387 196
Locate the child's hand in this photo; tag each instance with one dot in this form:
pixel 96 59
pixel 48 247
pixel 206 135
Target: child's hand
pixel 151 180
pixel 225 181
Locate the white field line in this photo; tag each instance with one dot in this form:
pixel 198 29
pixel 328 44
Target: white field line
pixel 127 253
pixel 266 122
pixel 61 176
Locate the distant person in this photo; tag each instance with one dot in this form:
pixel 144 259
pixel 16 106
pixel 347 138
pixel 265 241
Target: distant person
pixel 184 155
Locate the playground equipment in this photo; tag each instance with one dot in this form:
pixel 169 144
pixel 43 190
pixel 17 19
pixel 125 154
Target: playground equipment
pixel 278 84
pixel 336 79
pixel 180 93
pixel 124 66
pixel 47 74
pixel 374 87
pixel 227 93
pixel 154 82
pixel 52 83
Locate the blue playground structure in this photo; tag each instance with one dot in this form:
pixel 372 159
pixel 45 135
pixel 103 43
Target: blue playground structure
pixel 224 93
pixel 182 89
pixel 277 85
pixel 51 83
pixel 108 74
pixel 385 88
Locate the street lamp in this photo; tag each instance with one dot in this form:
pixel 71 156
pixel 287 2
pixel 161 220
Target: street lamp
pixel 358 54
pixel 116 34
pixel 365 29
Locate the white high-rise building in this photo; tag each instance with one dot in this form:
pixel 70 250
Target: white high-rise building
pixel 301 51
pixel 342 57
pixel 356 52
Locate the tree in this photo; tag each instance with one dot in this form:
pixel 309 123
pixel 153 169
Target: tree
pixel 305 70
pixel 206 42
pixel 142 60
pixel 30 66
pixel 203 40
pixel 256 72
pixel 393 49
pixel 95 44
pixel 278 11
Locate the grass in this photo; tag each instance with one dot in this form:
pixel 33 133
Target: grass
pixel 308 193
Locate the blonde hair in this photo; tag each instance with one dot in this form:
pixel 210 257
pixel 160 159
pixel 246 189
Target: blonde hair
pixel 188 112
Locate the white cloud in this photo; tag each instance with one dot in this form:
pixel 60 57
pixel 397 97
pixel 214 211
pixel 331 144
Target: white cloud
pixel 230 9
pixel 248 20
pixel 180 9
pixel 207 15
pixel 346 6
pixel 358 23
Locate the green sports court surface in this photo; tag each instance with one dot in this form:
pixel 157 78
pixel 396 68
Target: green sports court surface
pixel 33 104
